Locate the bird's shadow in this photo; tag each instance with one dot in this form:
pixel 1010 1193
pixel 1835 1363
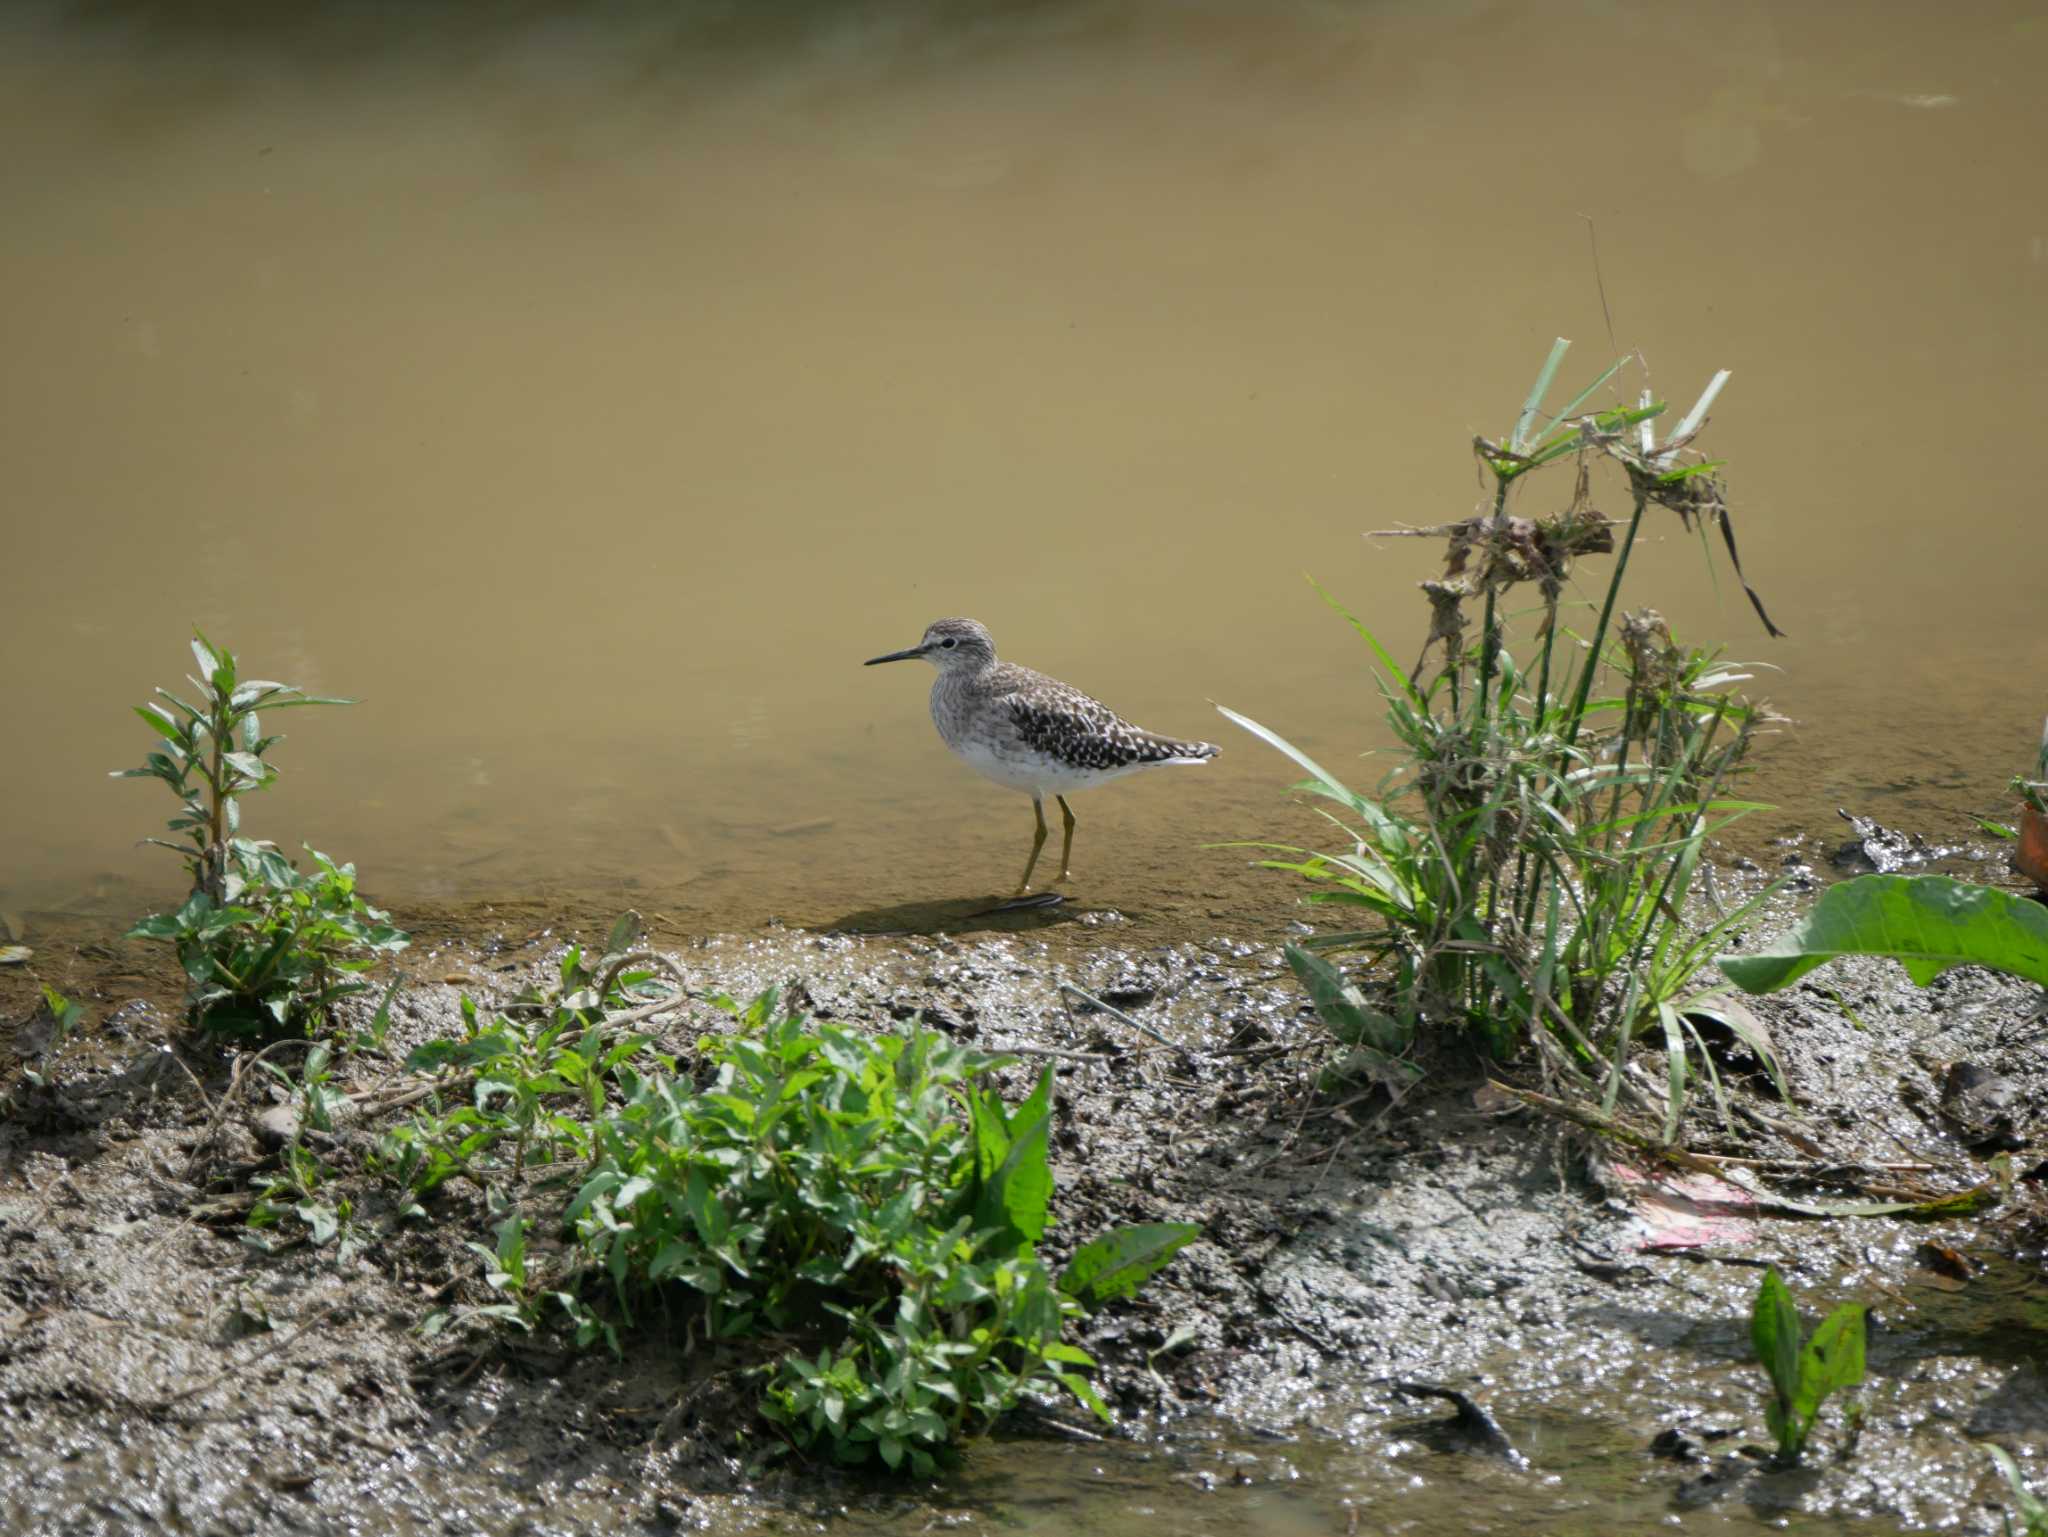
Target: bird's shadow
pixel 951 915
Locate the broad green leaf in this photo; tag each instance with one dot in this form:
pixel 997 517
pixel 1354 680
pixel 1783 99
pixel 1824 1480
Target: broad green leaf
pixel 1831 1360
pixel 202 653
pixel 1927 923
pixel 1023 1184
pixel 1746 1028
pixel 991 1133
pixel 1774 1331
pixel 1119 1262
pixel 159 720
pixel 1080 1387
pixel 1342 1006
pixel 627 931
pixel 320 1218
pixel 1038 1104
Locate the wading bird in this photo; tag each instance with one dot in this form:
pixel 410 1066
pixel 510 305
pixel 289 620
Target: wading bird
pixel 1031 732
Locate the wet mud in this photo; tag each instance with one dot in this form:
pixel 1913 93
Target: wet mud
pixel 1449 1314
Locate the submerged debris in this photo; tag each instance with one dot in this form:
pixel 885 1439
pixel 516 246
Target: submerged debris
pixel 1875 847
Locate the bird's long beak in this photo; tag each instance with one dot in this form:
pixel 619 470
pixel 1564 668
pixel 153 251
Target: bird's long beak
pixel 896 656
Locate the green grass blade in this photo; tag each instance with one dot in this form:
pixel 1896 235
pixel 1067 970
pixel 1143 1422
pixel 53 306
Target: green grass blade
pixel 1519 441
pixel 1583 395
pixel 1392 668
pixel 1674 1055
pixel 1698 414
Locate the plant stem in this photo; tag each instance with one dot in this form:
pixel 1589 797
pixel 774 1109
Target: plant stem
pixel 1577 713
pixel 1489 633
pixel 216 846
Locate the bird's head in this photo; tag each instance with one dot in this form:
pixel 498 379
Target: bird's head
pixel 948 644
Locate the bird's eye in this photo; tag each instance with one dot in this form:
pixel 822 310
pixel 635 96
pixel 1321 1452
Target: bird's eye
pixel 949 643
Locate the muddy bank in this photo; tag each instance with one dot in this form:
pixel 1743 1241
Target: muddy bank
pixel 157 1370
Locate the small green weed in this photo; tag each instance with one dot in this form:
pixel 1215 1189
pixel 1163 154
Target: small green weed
pixel 1802 1375
pixel 265 946
pixel 300 1187
pixel 66 1014
pixel 299 1191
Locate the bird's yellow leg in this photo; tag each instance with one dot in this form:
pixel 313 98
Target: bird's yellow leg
pixel 1037 843
pixel 1066 843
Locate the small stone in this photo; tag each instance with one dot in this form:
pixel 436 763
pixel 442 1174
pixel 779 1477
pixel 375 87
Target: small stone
pixel 276 1126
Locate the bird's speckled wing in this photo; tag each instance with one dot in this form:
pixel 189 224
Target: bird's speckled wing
pixel 1066 725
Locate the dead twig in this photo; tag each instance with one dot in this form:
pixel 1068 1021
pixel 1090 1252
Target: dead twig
pixel 1068 988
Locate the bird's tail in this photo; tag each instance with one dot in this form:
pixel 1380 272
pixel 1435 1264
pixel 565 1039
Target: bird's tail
pixel 1165 749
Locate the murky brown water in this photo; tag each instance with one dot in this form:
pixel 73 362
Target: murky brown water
pixel 591 397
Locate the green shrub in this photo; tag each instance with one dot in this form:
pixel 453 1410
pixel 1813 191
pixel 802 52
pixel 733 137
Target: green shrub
pixel 851 1219
pixel 865 1196
pixel 1524 869
pixel 264 945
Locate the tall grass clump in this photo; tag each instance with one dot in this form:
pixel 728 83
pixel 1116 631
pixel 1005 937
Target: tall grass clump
pixel 1523 871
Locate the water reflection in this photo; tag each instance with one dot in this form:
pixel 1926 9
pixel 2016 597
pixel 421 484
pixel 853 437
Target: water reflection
pixel 590 391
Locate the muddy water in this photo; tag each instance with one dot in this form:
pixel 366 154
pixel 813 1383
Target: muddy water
pixel 591 396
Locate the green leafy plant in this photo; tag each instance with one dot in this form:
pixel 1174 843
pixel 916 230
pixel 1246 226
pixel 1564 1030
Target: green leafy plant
pixel 299 1187
pixel 264 945
pixel 867 1198
pixel 1927 923
pixel 851 1220
pixel 1802 1374
pixel 299 1190
pixel 66 1014
pixel 2033 1509
pixel 1525 868
pixel 525 1085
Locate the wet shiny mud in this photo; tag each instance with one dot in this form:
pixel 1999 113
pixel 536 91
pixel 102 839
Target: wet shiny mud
pixel 1287 1374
